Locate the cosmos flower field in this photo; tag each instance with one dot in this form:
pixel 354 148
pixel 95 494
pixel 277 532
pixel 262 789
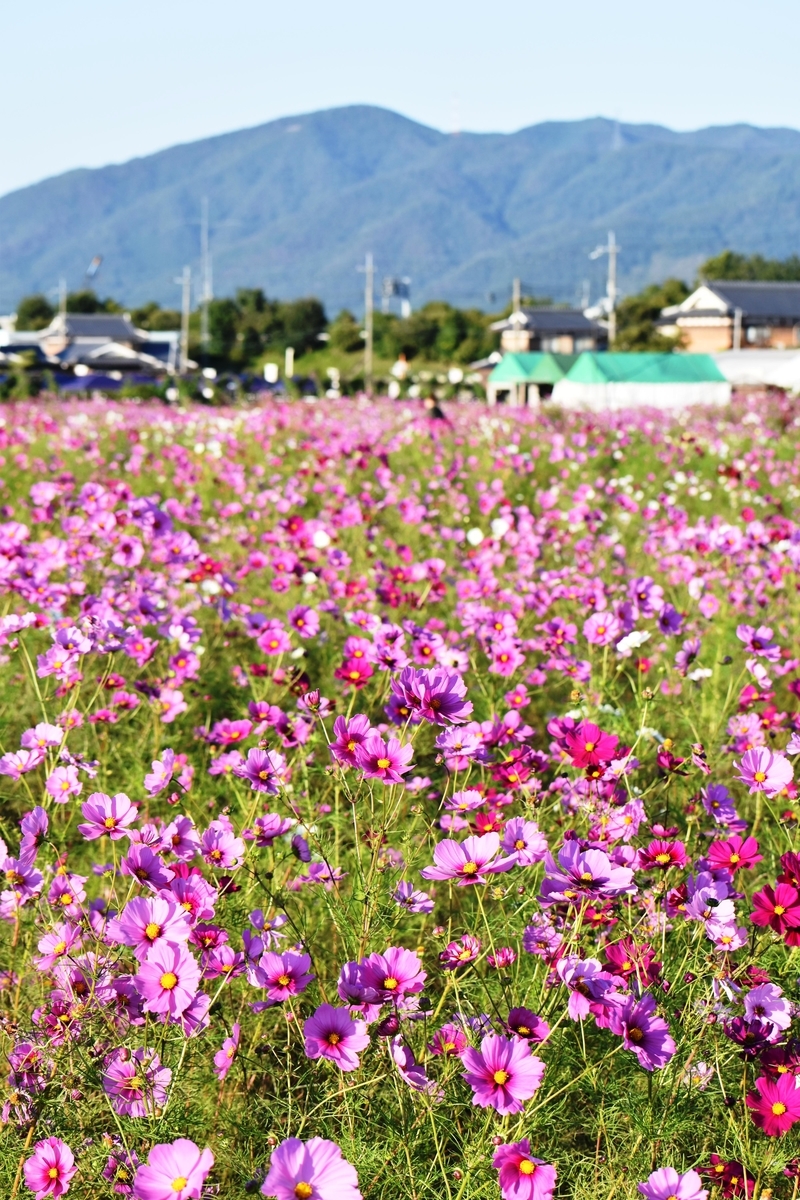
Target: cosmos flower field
pixel 396 808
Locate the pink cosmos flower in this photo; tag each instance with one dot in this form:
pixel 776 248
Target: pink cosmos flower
pixel 389 976
pixel 173 1171
pixel 525 840
pixel 764 771
pixel 137 1083
pixel 62 783
pixel 523 1177
pixel 313 1170
pixel 588 745
pixel 503 1073
pixel 220 847
pixel 602 628
pixel 667 1184
pixel 19 762
pixel 41 736
pixel 436 694
pixel 388 761
pixel 223 1059
pixel 332 1033
pixel 147 921
pixel 168 980
pixel 59 942
pixel 262 769
pixel 348 735
pixel 734 854
pixel 161 774
pixel 304 620
pixel 282 975
pixel 107 815
pixel 469 861
pixel 776 1104
pixel 49 1170
pixel 662 854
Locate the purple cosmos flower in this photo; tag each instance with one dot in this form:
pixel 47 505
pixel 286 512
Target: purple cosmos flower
pixel 20 762
pixel 119 1170
pixel 410 1071
pixel 313 1170
pixel 766 1003
pixel 148 921
pixel 281 975
pixel 161 774
pixel 62 940
pixel 49 1170
pixel 220 847
pixel 460 953
pixel 173 1171
pixel 524 1023
pixel 349 733
pixel 764 771
pixel 667 1184
pixel 107 815
pixel 469 861
pixel 168 980
pixel 583 873
pixel 525 839
pixel 521 1176
pixel 332 1033
pixel 136 1082
pixel 588 985
pixel 304 620
pixel 262 769
pixel 223 1059
pixel 646 1034
pixel 718 803
pixel 413 901
pixel 503 1073
pixel 450 1040
pixel 436 695
pixel 388 761
pixel 147 867
pixel 267 828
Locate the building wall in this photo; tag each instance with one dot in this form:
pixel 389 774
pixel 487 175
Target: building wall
pixel 706 339
pixel 515 341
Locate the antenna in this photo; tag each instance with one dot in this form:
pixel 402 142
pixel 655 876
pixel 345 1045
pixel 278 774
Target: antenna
pixel 612 250
pixel 185 281
pixel 369 280
pixel 205 275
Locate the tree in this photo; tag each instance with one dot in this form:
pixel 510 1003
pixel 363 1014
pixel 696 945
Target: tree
pixel 223 326
pixel 730 265
pixel 345 333
pixel 34 312
pixel 303 321
pixel 153 317
pixel 87 301
pixel 637 316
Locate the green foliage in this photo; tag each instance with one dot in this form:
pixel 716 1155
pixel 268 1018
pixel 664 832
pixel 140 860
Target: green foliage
pixel 637 316
pixel 731 265
pixel 34 312
pixel 153 317
pixel 87 301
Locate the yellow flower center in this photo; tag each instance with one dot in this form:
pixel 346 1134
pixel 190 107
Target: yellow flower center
pixel 779 910
pixel 778 1109
pixel 735 858
pixel 759 777
pixel 179 1184
pixel 526 1167
pixel 662 858
pixel 469 868
pixel 152 931
pixel 110 822
pixel 390 983
pixel 283 980
pixel 65 899
pixel 500 1077
pixel 589 746
pixel 303 1190
pixel 52 1173
pixel 519 844
pixel 59 948
pixel 168 981
pixel 586 877
pixel 383 763
pixel 333 1039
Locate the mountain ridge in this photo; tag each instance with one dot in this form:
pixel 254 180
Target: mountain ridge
pixel 296 203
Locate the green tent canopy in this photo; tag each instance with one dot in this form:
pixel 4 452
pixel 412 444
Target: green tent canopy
pixel 610 367
pixel 538 366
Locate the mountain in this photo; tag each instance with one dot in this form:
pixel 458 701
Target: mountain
pixel 296 203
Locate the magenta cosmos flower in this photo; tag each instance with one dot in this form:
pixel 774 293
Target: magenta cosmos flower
pixel 137 1083
pixel 388 761
pixel 107 814
pixel 643 1032
pixel 667 1184
pixel 764 771
pixel 436 694
pixel 776 1104
pixel 469 861
pixel 223 1059
pixel 50 1168
pixel 503 1073
pixel 313 1170
pixel 168 980
pixel 523 1177
pixel 173 1171
pixel 332 1033
pixel 283 975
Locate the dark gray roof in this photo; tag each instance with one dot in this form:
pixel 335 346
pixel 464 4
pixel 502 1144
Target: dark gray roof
pixel 112 326
pixel 759 301
pixel 552 321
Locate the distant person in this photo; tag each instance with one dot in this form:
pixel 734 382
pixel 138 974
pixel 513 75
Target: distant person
pixel 433 410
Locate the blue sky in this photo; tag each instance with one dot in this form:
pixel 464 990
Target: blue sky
pixel 91 82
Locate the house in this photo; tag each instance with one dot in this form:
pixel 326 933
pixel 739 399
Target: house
pixel 559 330
pixel 605 382
pixel 97 341
pixel 735 315
pixel 521 380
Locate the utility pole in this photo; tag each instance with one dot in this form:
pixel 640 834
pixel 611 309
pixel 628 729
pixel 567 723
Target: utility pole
pixel 612 250
pixel 205 268
pixel 62 297
pixel 369 279
pixel 737 329
pixel 516 296
pixel 185 280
